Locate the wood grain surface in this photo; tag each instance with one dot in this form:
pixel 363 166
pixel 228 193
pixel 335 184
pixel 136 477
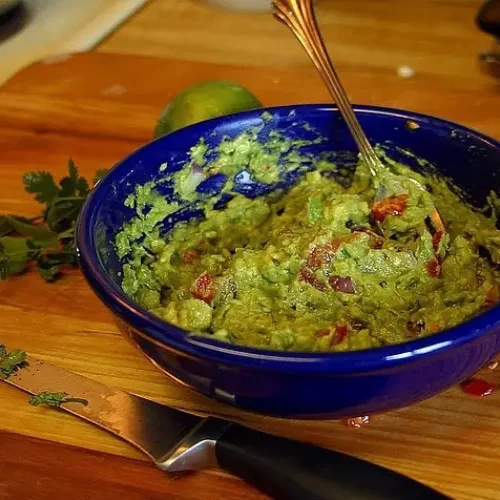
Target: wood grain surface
pixel 97 476
pixel 434 37
pixel 98 108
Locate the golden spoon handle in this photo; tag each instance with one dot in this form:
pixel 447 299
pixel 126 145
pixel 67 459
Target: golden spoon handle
pixel 299 16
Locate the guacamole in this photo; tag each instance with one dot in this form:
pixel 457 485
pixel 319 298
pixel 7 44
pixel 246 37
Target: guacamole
pixel 328 265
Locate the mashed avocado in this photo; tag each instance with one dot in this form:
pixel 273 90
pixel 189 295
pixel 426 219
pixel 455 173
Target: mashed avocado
pixel 325 266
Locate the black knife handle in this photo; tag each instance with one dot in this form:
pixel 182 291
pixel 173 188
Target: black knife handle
pixel 286 470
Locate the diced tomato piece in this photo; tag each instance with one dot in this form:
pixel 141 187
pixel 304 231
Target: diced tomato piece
pixel 322 333
pixel 376 243
pixel 307 275
pixel 323 255
pixel 203 288
pixel 435 327
pixel 436 239
pixel 434 267
pixel 394 205
pixel 320 257
pixel 190 256
pixel 341 331
pixel 492 296
pixel 335 243
pixel 316 258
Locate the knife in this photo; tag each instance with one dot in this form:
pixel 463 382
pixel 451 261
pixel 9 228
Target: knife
pixel 179 441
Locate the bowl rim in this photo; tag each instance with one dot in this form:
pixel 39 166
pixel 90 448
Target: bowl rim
pixel 172 338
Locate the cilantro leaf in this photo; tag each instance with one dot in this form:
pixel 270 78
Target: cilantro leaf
pixel 47 240
pixel 42 185
pixel 68 184
pixel 10 362
pixel 54 399
pixel 40 233
pixel 14 255
pixel 82 187
pixel 50 273
pixel 63 212
pixel 4 265
pixel 48 398
pixel 73 171
pixel 6 226
pixel 73 184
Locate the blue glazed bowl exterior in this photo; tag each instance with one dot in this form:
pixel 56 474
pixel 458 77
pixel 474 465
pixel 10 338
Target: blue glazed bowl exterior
pixel 298 385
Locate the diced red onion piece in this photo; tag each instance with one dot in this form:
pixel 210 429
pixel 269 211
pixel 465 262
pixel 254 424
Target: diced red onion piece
pixel 342 284
pixel 196 176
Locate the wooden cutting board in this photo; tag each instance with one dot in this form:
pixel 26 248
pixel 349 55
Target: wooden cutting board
pixel 97 108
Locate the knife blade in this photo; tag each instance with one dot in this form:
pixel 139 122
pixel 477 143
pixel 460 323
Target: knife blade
pixel 179 441
pixel 155 429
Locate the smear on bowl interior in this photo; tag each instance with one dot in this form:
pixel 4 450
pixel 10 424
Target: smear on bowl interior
pixel 318 267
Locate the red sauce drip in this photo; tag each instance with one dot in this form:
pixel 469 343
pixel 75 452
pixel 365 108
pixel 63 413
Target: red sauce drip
pixel 394 205
pixel 358 422
pixel 477 387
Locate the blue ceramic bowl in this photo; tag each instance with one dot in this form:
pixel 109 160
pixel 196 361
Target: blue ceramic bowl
pixel 308 385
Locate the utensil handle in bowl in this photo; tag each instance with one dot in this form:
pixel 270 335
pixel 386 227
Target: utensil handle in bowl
pixel 286 469
pixel 299 16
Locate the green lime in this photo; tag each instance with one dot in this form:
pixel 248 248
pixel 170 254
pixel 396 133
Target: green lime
pixel 201 102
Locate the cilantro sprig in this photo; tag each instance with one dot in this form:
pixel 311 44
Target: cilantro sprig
pixel 54 399
pixel 14 360
pixel 47 240
pixel 10 362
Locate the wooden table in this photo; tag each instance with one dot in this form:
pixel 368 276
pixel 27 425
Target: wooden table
pixel 435 37
pixel 99 107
